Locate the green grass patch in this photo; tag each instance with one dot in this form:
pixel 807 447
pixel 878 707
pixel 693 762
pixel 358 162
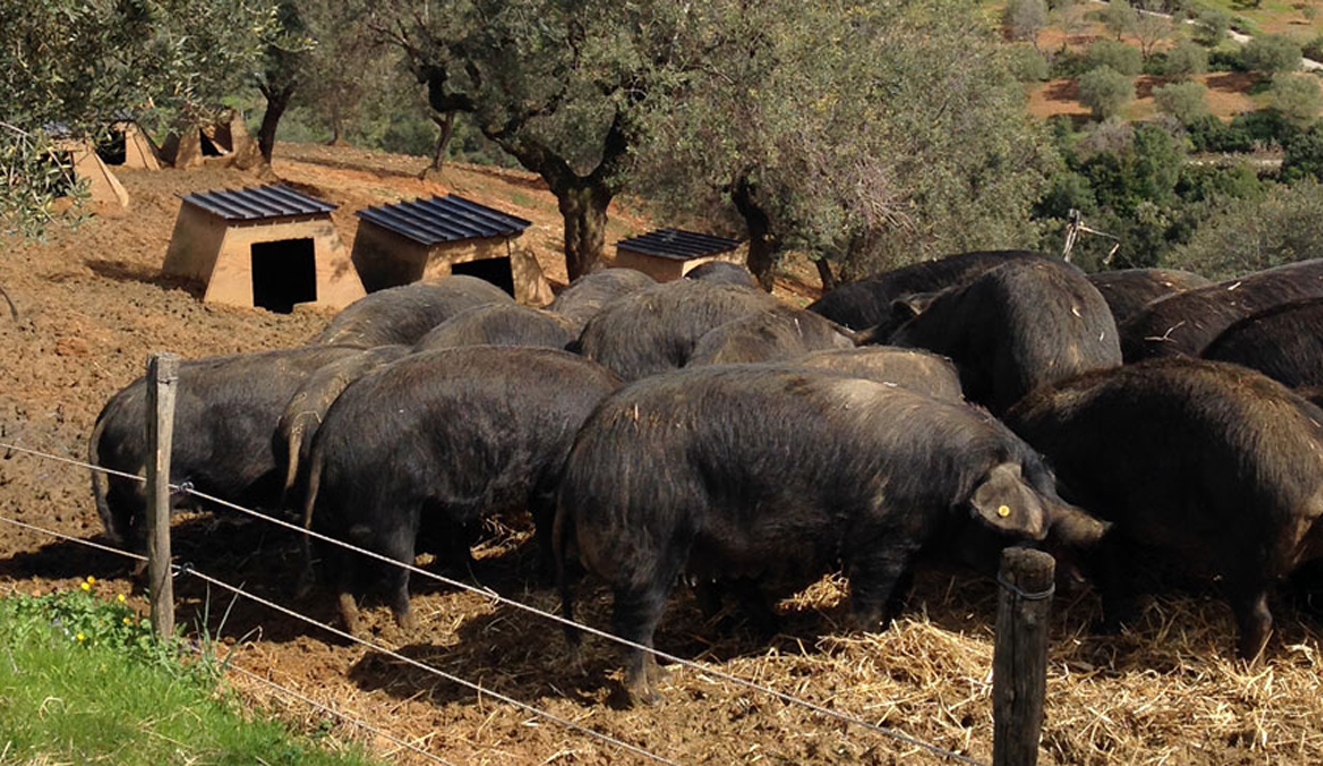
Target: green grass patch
pixel 84 680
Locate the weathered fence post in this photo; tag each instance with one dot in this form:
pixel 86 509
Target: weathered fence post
pixel 162 378
pixel 1019 662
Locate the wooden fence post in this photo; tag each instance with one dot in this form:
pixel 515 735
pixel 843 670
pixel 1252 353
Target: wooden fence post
pixel 1019 662
pixel 162 380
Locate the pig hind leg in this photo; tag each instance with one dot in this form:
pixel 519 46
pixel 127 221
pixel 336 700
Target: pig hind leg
pixel 1249 604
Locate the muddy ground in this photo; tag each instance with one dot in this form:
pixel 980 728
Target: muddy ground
pixel 92 305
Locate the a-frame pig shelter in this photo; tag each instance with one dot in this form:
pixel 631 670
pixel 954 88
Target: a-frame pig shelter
pixel 129 147
pixel 427 239
pixel 223 143
pixel 265 246
pixel 667 254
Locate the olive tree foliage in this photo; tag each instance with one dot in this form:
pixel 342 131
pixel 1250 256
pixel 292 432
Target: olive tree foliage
pixel 71 68
pixel 869 134
pixel 560 85
pixel 1240 237
pixel 1297 97
pixel 345 65
pixel 1024 19
pixel 1105 91
pixel 1271 53
pixel 1186 101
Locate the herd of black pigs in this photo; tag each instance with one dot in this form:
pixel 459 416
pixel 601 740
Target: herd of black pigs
pixel 703 431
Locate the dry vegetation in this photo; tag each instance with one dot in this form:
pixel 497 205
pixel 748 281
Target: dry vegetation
pixel 93 306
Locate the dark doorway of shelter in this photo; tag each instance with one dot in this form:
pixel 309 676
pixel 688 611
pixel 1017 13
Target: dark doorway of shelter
pixel 111 149
pixel 210 147
pixel 494 270
pixel 284 273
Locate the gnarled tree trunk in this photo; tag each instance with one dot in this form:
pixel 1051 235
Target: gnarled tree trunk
pixel 763 244
pixel 584 211
pixel 277 101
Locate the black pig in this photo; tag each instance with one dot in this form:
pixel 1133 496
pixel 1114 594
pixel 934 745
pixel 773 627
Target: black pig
pixel 435 441
pixel 402 315
pixel 774 476
pixel 1018 326
pixel 226 411
pixel 656 329
pixel 1129 290
pixel 1284 342
pixel 866 303
pixel 1207 465
pixel 1185 323
pixel 501 324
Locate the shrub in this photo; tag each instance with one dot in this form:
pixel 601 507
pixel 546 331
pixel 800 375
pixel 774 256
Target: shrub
pixel 1118 17
pixel 1212 181
pixel 1296 97
pixel 1123 58
pixel 1024 19
pixel 1067 64
pixel 1271 53
pixel 1105 91
pixel 1225 61
pixel 1186 101
pixel 1210 26
pixel 1209 134
pixel 1184 60
pixel 1268 128
pixel 1027 64
pixel 1280 227
pixel 1314 48
pixel 1303 158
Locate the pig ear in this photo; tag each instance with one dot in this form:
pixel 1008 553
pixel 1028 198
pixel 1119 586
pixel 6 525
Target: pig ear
pixel 1005 502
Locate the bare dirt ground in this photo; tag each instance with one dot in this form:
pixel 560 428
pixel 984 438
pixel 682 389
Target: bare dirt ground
pixel 93 306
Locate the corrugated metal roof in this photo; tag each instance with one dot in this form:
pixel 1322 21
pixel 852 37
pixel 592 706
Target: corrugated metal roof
pixel 443 219
pixel 681 245
pixel 258 202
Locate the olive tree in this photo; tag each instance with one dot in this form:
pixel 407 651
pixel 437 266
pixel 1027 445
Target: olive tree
pixel 560 85
pixel 866 134
pixel 1186 101
pixel 1105 91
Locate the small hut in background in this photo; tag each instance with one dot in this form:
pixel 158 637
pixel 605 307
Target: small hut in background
pixel 129 146
pixel 266 246
pixel 223 143
pixel 80 154
pixel 668 254
pixel 425 240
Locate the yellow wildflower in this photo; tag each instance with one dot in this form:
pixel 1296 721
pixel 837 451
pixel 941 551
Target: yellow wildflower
pixel 81 637
pixel 91 580
pixel 120 598
pixel 85 586
pixel 127 621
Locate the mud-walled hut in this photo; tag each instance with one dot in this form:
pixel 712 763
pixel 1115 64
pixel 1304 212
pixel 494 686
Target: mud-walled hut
pixel 223 143
pixel 128 146
pixel 667 254
pixel 80 154
pixel 266 246
pixel 427 239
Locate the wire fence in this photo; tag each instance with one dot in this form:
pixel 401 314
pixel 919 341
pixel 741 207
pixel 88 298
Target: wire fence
pixel 187 488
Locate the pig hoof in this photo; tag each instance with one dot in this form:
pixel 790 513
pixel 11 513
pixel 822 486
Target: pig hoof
pixel 407 622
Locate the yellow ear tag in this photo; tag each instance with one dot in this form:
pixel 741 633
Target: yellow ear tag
pixel 1003 511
